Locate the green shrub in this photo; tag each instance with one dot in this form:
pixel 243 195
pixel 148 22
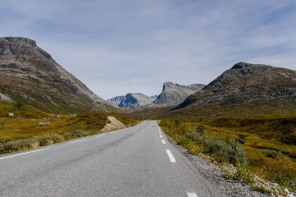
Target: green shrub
pixel 193 135
pixel 200 137
pixel 244 175
pixel 286 179
pixel 238 154
pixel 50 139
pixel 74 134
pixel 45 140
pixel 184 141
pixel 56 138
pixel 260 189
pixel 15 145
pixel 229 153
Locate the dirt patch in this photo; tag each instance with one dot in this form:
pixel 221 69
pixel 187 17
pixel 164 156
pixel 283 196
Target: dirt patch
pixel 113 124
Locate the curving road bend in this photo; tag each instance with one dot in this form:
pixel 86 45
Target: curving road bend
pixel 137 161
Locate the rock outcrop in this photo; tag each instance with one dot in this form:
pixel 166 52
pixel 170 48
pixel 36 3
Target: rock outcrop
pixel 29 74
pixel 131 100
pixel 113 124
pixel 173 94
pixel 116 100
pixel 245 83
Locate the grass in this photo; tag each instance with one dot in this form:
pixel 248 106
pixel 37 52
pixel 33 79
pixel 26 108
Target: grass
pixel 198 141
pixel 269 141
pixel 270 150
pixel 22 131
pixel 58 98
pixel 261 189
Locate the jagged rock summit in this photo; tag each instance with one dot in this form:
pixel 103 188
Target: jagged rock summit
pixel 173 94
pixel 29 74
pixel 245 83
pixel 131 100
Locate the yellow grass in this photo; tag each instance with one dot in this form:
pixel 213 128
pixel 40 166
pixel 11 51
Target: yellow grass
pixel 280 168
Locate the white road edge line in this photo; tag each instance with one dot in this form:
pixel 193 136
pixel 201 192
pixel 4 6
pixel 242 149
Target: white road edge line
pixel 160 135
pixel 163 141
pixel 100 135
pixel 23 153
pixel 191 194
pixel 171 156
pixel 76 141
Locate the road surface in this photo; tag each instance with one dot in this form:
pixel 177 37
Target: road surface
pixel 137 161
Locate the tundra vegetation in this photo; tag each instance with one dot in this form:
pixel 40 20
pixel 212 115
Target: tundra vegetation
pixel 263 145
pixel 265 131
pixel 30 128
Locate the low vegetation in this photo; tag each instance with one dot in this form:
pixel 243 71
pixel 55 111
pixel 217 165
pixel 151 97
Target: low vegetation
pixel 198 141
pixel 30 128
pixel 262 145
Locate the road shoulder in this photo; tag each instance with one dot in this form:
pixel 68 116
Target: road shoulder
pixel 213 173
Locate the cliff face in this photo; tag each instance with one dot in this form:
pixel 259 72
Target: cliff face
pixel 29 74
pixel 116 100
pixel 173 94
pixel 131 100
pixel 245 83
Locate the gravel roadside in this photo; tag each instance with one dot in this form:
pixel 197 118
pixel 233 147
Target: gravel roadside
pixel 214 173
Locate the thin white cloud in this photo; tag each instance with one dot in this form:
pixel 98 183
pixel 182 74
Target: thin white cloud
pixel 122 46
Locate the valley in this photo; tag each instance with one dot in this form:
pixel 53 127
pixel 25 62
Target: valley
pixel 244 119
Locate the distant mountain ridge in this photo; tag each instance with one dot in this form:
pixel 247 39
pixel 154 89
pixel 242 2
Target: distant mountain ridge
pixel 173 94
pixel 131 100
pixel 116 100
pixel 29 74
pixel 245 83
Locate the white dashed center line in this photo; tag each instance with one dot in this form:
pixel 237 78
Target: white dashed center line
pixel 160 135
pixel 171 156
pixel 191 194
pixel 163 141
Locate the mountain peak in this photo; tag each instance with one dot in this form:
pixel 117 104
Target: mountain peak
pixel 245 66
pixel 245 83
pixel 131 100
pixel 21 40
pixel 167 85
pixel 240 65
pixel 29 74
pixel 173 94
pixel 24 48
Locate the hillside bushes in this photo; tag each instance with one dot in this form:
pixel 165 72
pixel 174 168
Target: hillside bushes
pixel 198 141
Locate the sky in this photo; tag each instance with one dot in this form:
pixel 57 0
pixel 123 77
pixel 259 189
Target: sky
pixel 134 46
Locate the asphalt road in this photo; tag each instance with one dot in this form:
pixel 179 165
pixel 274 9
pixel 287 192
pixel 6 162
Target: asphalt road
pixel 138 161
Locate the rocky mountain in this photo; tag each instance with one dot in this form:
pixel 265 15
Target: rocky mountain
pixel 173 94
pixel 248 83
pixel 131 100
pixel 30 75
pixel 116 100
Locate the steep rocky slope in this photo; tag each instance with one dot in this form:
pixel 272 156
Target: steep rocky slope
pixel 29 74
pixel 173 94
pixel 116 100
pixel 131 100
pixel 247 83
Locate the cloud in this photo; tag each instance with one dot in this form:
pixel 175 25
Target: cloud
pixel 122 46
